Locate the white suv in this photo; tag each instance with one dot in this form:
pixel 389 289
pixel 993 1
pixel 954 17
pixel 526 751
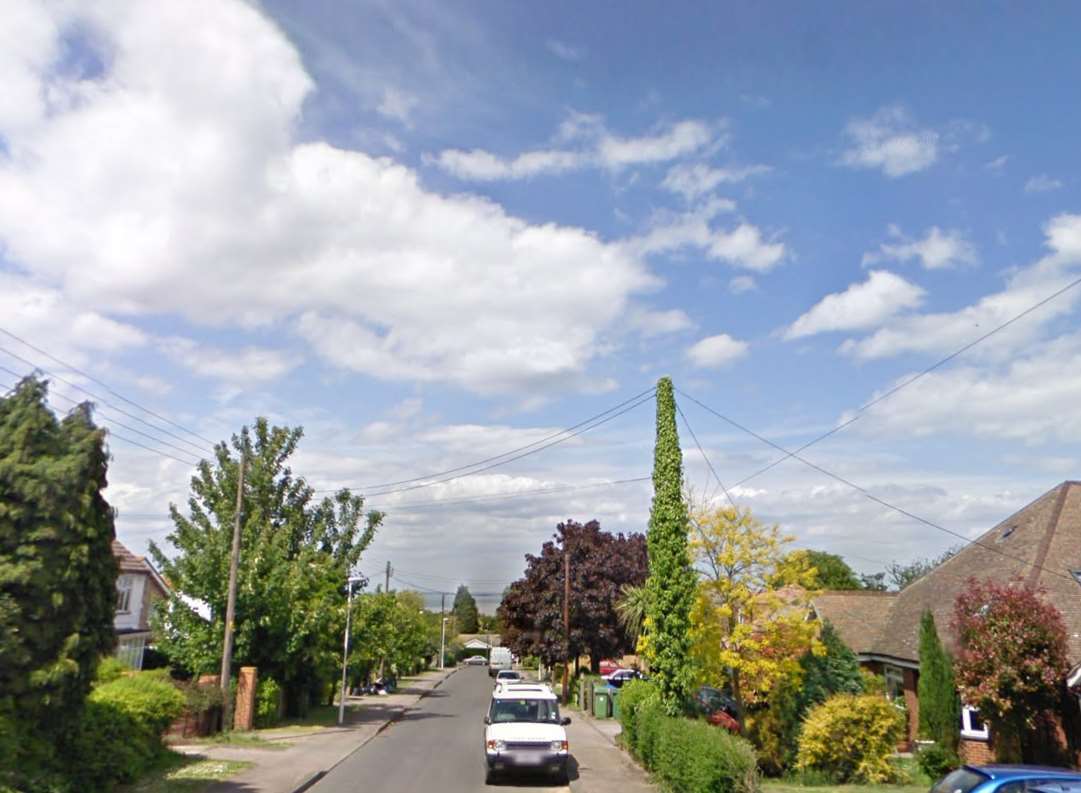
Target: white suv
pixel 524 732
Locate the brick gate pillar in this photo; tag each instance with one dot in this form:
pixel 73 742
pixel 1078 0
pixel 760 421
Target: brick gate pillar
pixel 244 713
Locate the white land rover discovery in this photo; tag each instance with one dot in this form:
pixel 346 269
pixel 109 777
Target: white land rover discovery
pixel 523 732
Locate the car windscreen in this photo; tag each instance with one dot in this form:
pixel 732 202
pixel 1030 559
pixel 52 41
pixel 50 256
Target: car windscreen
pixel 508 676
pixel 535 711
pixel 960 781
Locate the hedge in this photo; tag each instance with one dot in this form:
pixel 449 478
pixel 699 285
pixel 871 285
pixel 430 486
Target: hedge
pixel 687 756
pixel 268 700
pixel 118 737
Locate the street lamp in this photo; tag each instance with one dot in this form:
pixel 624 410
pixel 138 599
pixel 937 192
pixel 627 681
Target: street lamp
pixel 345 655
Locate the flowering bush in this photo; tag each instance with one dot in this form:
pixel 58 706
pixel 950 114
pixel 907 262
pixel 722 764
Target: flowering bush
pixel 850 738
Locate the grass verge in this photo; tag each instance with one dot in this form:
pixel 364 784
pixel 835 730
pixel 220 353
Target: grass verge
pixel 246 740
pixel 178 773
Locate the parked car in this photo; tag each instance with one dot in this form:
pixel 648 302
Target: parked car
pixel 608 666
pixel 476 660
pixel 617 678
pixel 523 732
pixel 1007 779
pixel 505 676
pixel 716 707
pixel 499 658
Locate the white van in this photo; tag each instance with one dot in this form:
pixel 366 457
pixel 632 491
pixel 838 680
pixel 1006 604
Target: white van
pixel 498 660
pixel 523 731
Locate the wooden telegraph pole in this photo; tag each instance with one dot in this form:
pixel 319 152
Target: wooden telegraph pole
pixel 230 608
pixel 566 620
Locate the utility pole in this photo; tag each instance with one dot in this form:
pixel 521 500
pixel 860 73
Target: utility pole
pixel 387 587
pixel 383 661
pixel 345 655
pixel 443 629
pixel 566 620
pixel 230 607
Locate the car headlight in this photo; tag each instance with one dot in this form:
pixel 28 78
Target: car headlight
pixel 560 746
pixel 496 745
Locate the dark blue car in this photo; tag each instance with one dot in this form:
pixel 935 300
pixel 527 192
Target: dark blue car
pixel 1009 779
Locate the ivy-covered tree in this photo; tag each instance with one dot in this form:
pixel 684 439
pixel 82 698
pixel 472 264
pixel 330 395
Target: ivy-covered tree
pixel 1012 661
pixel 939 704
pixel 465 610
pixel 57 575
pixel 672 581
pixel 295 556
pixel 601 564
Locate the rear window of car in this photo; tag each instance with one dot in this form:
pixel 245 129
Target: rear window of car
pixel 962 780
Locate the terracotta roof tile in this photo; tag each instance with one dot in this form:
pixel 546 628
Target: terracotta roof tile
pixel 858 616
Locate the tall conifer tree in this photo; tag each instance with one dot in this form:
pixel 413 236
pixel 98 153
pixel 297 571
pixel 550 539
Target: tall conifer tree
pixel 937 689
pixel 671 584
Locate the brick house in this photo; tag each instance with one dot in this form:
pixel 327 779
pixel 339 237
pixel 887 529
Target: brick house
pixel 883 627
pixel 138 587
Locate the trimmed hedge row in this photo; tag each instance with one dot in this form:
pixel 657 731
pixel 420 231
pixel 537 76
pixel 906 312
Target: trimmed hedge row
pixel 687 756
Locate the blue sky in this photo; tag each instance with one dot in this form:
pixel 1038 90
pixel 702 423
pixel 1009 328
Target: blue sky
pixel 433 235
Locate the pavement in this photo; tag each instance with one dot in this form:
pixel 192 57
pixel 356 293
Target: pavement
pixel 437 745
pixel 311 754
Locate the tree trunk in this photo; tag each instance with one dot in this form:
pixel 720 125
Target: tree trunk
pixel 737 696
pixel 594 662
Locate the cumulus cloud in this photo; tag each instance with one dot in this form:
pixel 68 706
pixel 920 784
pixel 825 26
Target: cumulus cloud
pixel 742 245
pixel 595 148
pixel 890 141
pixel 1042 184
pixel 254 365
pixel 659 323
pixel 998 163
pixel 946 331
pixel 564 51
pixel 694 180
pixel 716 351
pixel 936 250
pixel 181 188
pixel 398 105
pixel 862 305
pixel 741 284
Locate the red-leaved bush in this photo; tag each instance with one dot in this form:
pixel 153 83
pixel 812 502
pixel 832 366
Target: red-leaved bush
pixel 1013 657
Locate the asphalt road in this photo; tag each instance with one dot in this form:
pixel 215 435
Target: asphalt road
pixel 435 746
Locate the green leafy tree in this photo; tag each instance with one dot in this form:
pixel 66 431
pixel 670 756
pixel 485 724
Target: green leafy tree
pixel 391 630
pixel 465 609
pixel 830 570
pixel 295 555
pixel 57 574
pixel 939 704
pixel 671 583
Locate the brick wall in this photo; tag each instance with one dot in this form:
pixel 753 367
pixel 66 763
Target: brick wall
pixel 976 752
pixel 244 715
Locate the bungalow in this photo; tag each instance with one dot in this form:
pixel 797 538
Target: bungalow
pixel 138 587
pixel 883 627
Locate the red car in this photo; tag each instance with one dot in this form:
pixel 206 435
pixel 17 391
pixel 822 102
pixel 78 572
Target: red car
pixel 607 667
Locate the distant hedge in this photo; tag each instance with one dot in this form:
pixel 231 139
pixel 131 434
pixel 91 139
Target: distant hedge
pixel 686 755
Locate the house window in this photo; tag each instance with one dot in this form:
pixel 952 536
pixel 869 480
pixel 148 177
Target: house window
pixel 895 682
pixel 972 726
pixel 124 586
pixel 130 651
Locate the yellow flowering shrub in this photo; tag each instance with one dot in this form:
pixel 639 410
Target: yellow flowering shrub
pixel 850 737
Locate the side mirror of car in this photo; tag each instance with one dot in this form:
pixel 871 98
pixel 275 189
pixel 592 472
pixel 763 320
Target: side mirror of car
pixel 565 721
pixel 487 720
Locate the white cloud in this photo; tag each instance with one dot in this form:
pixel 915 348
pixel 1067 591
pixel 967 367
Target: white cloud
pixel 1042 184
pixel 938 249
pixel 601 149
pixel 659 323
pixel 254 365
pixel 715 351
pixel 998 163
pixel 398 105
pixel 946 331
pixel 862 305
pixel 182 190
pixel 742 245
pixel 693 180
pixel 741 284
pixel 890 141
pixel 564 51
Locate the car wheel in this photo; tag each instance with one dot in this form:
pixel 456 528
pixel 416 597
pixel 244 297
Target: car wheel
pixel 489 775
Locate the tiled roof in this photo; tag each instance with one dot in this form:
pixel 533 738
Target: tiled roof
pixel 130 563
pixel 1039 545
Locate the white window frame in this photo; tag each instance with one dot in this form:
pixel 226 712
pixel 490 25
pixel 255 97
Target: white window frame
pixel 967 730
pixel 896 676
pixel 125 584
pixel 130 650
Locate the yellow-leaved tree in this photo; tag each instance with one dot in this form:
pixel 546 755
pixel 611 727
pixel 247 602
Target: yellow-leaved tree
pixel 749 623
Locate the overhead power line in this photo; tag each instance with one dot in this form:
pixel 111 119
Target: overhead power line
pixel 582 427
pixel 412 506
pixel 864 491
pixel 104 385
pixel 918 376
pixel 104 401
pixel 114 434
pixel 504 454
